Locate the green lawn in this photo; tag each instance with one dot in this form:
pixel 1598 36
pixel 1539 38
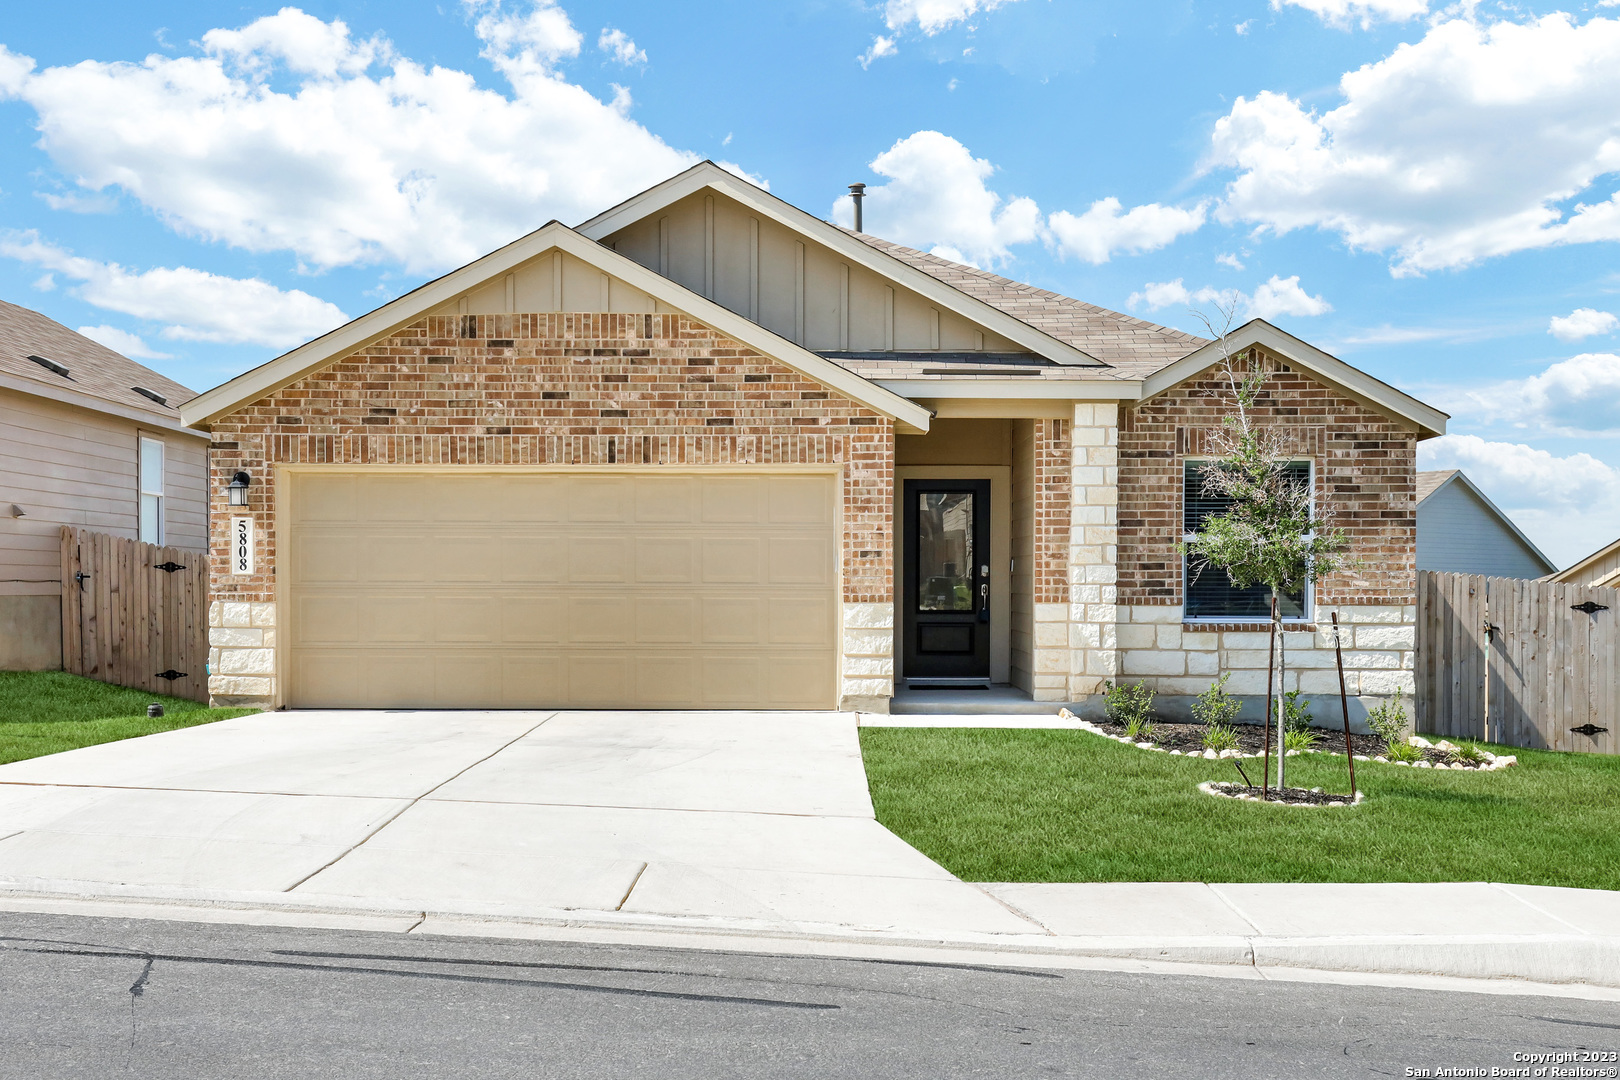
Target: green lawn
pixel 1045 805
pixel 46 712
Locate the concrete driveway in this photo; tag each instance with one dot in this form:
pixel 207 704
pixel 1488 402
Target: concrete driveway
pixel 747 820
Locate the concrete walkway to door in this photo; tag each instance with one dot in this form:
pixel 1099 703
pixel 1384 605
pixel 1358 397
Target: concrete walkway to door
pixel 744 820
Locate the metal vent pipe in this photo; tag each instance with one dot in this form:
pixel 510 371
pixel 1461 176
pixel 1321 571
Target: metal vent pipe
pixel 857 192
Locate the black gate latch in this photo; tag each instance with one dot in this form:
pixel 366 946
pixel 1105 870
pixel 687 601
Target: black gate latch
pixel 168 567
pixel 171 675
pixel 1591 731
pixel 1591 607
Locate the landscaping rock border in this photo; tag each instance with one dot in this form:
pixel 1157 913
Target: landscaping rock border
pixel 1316 797
pixel 1436 755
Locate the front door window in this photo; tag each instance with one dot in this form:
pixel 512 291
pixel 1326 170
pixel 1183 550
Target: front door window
pixel 945 551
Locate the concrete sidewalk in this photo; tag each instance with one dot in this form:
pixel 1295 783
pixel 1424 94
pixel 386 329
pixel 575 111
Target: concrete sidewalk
pixel 722 829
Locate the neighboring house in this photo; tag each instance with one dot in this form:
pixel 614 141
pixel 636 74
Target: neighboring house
pixel 1601 568
pixel 707 450
pixel 1461 531
pixel 87 438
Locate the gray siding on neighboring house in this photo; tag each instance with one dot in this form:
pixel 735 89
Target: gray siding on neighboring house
pixel 1458 533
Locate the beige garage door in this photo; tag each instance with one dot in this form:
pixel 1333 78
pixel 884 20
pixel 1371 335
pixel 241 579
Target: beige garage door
pixel 519 590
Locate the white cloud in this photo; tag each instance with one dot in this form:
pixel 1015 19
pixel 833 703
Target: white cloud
pixel 1242 28
pixel 1578 397
pixel 1569 506
pixel 352 154
pixel 617 44
pixel 195 305
pixel 122 341
pixel 1102 230
pixel 1468 144
pixel 932 16
pixel 1342 12
pixel 1278 296
pixel 881 47
pixel 1582 323
pixel 936 199
pixel 1228 259
pixel 1283 296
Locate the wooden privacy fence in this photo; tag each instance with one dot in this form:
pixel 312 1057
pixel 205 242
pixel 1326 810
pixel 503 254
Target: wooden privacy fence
pixel 135 614
pixel 1553 651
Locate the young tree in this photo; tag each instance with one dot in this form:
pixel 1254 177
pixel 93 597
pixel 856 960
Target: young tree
pixel 1270 534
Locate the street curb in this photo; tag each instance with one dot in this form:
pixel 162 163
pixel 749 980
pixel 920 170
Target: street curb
pixel 1570 961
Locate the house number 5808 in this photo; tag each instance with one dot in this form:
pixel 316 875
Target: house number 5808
pixel 241 545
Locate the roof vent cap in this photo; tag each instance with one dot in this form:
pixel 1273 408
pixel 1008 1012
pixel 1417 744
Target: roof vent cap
pixel 51 365
pixel 153 394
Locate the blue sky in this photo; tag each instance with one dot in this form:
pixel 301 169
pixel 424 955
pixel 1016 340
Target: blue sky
pixel 1424 191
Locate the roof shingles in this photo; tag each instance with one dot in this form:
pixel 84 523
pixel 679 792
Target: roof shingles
pixel 93 368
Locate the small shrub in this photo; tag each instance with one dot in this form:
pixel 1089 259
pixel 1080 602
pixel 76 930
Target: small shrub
pixel 1131 706
pixel 1401 750
pixel 1215 707
pixel 1296 714
pixel 1469 754
pixel 1219 737
pixel 1303 738
pixel 1388 721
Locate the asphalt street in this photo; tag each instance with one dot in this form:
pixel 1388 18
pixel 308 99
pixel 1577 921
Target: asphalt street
pixel 82 997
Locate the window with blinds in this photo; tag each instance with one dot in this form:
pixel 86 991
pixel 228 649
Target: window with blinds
pixel 1209 593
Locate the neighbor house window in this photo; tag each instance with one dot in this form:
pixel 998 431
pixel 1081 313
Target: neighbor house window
pixel 151 478
pixel 1212 595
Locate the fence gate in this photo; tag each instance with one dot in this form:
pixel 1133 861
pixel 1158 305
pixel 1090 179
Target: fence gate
pixel 135 614
pixel 1544 655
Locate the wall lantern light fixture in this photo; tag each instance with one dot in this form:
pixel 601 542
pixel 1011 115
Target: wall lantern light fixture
pixel 238 489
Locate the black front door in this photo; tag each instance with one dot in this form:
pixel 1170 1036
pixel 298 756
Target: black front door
pixel 946 598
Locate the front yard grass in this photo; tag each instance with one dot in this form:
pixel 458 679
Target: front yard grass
pixel 1058 805
pixel 46 712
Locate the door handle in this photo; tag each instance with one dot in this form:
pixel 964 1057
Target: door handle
pixel 984 602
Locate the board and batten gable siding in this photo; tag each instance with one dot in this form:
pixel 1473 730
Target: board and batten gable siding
pixel 555 390
pixel 67 465
pixel 1457 533
pixel 791 284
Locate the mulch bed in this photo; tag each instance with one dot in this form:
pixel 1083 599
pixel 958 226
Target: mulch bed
pixel 1286 796
pixel 1189 739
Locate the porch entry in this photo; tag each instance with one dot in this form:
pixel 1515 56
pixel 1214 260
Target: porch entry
pixel 946 601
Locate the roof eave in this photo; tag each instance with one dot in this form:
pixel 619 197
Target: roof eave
pixel 79 399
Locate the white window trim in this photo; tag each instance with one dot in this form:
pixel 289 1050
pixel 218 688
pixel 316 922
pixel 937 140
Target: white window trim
pixel 1304 619
pixel 141 439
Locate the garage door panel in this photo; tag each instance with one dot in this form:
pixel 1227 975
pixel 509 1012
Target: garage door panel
pixel 665 620
pixel 487 590
pixel 599 619
pixel 800 561
pixel 673 500
pixel 800 500
pixel 804 620
pixel 322 557
pixel 532 619
pixel 733 560
pixel 665 560
pixel 599 558
pixel 733 620
pixel 396 618
pixel 733 500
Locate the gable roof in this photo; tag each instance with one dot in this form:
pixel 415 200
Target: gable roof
pixel 98 378
pixel 399 313
pixel 1430 482
pixel 1131 347
pixel 706 174
pixel 1611 580
pixel 1372 392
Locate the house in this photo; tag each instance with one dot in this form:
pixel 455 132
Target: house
pixel 88 438
pixel 707 450
pixel 1461 531
pixel 1601 568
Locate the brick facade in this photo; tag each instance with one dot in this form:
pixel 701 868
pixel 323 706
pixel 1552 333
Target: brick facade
pixel 1365 482
pixel 558 389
